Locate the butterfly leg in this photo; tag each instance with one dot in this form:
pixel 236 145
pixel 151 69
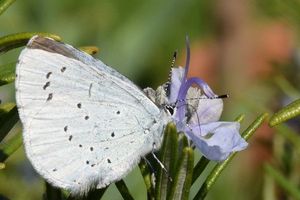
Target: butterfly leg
pixel 160 163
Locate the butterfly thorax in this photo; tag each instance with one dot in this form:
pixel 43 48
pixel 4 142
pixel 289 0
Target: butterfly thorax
pixel 159 97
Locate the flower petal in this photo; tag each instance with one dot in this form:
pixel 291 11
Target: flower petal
pixel 217 140
pixel 176 81
pixel 181 108
pixel 201 109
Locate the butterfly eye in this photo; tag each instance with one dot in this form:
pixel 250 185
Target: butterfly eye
pixel 170 109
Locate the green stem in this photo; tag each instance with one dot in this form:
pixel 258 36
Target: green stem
pixel 4 4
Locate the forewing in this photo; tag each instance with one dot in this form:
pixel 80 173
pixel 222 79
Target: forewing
pixel 84 124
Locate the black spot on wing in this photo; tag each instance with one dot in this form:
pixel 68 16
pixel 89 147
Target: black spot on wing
pixel 112 134
pixel 66 128
pixel 118 112
pixel 70 137
pixel 48 75
pixel 46 85
pixel 79 105
pixel 86 117
pixel 108 160
pixel 63 69
pixel 50 96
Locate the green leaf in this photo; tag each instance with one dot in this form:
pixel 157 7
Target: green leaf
pixel 8 118
pixel 290 111
pixel 4 4
pixel 9 147
pixel 147 179
pixel 20 39
pixel 92 50
pixel 168 156
pixel 199 168
pixel 182 182
pixel 284 183
pixel 123 190
pixel 7 74
pixel 240 118
pixel 215 173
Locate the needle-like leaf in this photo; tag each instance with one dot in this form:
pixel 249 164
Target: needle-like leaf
pixel 20 39
pixel 4 4
pixel 8 118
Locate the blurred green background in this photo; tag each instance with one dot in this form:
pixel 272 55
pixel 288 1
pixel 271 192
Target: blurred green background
pixel 245 48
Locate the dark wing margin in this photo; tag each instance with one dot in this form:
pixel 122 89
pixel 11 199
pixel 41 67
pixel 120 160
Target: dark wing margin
pixel 50 45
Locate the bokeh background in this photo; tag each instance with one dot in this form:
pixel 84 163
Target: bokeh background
pixel 245 48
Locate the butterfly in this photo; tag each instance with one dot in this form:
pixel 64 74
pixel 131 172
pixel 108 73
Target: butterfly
pixel 84 124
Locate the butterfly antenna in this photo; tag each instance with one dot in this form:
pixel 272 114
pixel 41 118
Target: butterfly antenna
pixel 168 84
pixel 174 58
pixel 223 96
pixel 160 163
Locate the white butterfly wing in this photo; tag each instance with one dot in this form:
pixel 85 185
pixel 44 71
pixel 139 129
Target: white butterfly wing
pixel 84 124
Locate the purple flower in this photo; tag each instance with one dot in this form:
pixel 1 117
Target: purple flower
pixel 197 113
